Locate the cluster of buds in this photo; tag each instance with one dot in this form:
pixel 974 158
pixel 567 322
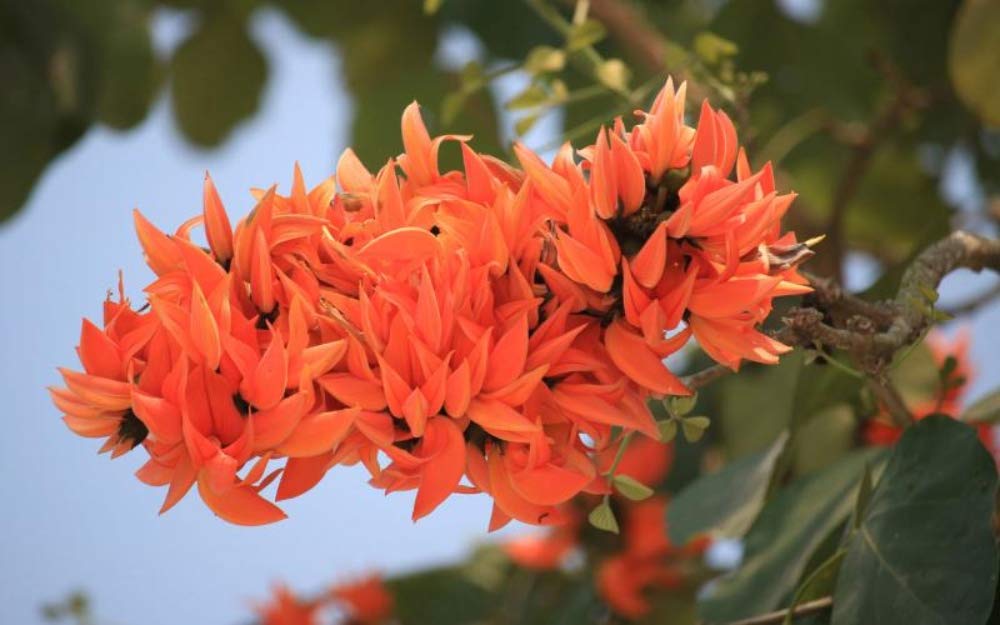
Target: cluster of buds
pixel 494 329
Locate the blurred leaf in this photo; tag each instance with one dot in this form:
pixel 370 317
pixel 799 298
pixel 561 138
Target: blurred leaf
pixel 826 437
pixel 782 539
pixel 544 59
pixel 587 33
pixel 130 73
pixel 456 600
pixel 614 74
pixel 725 503
pixel 925 550
pixel 756 406
pixel 432 6
pixel 523 125
pixel 533 96
pixel 984 410
pixel 819 387
pixel 974 56
pixel 713 48
pixel 218 76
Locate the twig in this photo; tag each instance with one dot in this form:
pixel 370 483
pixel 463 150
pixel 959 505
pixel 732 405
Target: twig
pixel 888 396
pixel 778 616
pixel 706 376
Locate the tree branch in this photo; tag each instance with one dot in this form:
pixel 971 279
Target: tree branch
pixel 874 336
pixel 779 616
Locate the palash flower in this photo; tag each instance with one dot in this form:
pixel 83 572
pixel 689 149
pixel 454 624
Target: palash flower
pixel 488 329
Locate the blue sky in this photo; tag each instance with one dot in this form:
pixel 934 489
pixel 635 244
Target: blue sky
pixel 74 520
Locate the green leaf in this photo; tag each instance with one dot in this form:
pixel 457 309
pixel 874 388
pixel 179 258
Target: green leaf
pixel 585 34
pixel 972 57
pixel 694 427
pixel 432 6
pixel 682 404
pixel 130 74
pixel 218 76
pixel 533 96
pixel 820 583
pixel 523 125
pixel 726 502
pixel 818 388
pixel 668 430
pixel 614 74
pixel 925 550
pixel 603 518
pixel 782 540
pixel 451 106
pixel 472 75
pixel 984 410
pixel 631 487
pixel 713 48
pixel 865 490
pixel 544 59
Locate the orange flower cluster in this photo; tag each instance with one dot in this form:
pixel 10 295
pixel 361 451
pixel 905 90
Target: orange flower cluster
pixel 644 560
pixel 363 602
pixel 486 330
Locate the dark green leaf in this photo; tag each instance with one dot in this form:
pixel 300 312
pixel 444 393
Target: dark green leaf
pixel 726 502
pixel 218 76
pixel 925 550
pixel 789 528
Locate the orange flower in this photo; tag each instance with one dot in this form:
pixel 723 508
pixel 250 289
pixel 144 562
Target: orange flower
pixel 478 330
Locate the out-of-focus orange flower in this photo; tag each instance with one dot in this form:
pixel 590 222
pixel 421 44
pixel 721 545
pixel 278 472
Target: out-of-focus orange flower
pixel 647 561
pixel 488 329
pixel 366 601
pixel 285 608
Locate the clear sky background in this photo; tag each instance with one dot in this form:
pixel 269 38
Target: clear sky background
pixel 72 520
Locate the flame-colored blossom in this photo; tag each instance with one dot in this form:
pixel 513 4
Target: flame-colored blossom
pixel 487 329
